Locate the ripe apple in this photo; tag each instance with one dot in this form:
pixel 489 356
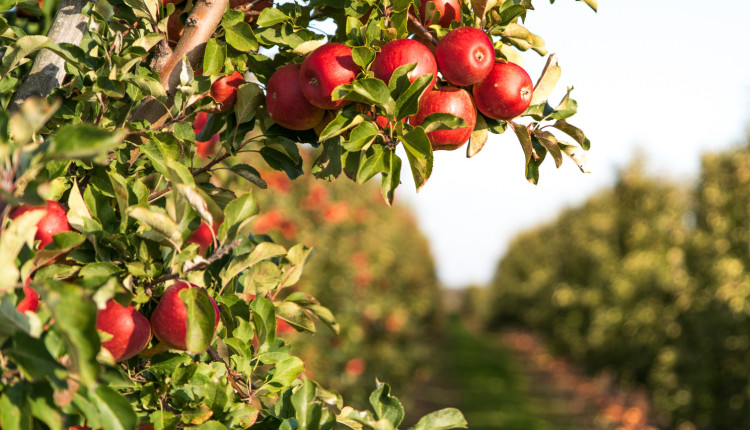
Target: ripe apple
pixel 355 367
pixel 53 222
pixel 450 10
pixel 327 118
pixel 206 147
pixel 224 90
pixel 30 301
pixel 286 103
pixel 169 320
pixel 324 69
pixel 447 100
pixel 505 93
pixel 202 236
pixel 175 27
pixel 465 56
pixel 130 330
pixel 399 52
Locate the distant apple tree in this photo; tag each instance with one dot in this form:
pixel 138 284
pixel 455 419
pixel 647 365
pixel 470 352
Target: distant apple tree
pixel 133 292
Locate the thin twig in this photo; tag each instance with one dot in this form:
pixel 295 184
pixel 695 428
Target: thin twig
pixel 422 29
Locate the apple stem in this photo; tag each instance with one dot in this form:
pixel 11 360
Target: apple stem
pixel 422 29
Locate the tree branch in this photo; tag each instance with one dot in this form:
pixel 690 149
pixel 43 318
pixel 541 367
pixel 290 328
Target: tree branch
pixel 422 29
pixel 199 27
pixel 48 70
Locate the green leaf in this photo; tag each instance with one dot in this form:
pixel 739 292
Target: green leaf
pixel 326 316
pixel 478 137
pixel 214 57
pixel 249 97
pixel 547 81
pixel 19 50
pixel 577 154
pixel 407 104
pixel 271 16
pixel 399 81
pixel 240 36
pixel 523 39
pixel 83 141
pixel 241 416
pixel 295 315
pixel 361 137
pixel 372 163
pixel 304 405
pixel 391 178
pixel 114 409
pixel 363 56
pixel 524 137
pixel 159 222
pixel 75 317
pixel 263 251
pixel 297 257
pixel 345 120
pixel 386 406
pixel 480 8
pixel 285 373
pixel 148 9
pixel 370 91
pixel 567 107
pixel 574 132
pixel 251 174
pixel 419 154
pixel 328 164
pixel 236 214
pixel 444 419
pixel 201 317
pixel 264 318
pixel 442 121
pixel 549 141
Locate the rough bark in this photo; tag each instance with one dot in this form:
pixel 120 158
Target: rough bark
pixel 48 70
pixel 200 26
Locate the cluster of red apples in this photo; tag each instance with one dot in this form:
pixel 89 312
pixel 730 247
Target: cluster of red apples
pixel 298 96
pixel 128 331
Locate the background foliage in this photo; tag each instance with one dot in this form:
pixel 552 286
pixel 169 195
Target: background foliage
pixel 649 279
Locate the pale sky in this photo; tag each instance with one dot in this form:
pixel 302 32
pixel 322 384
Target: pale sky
pixel 668 77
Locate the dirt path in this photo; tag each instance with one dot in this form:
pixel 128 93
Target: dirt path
pixel 510 382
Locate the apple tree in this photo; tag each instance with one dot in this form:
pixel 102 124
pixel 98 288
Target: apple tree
pixel 134 290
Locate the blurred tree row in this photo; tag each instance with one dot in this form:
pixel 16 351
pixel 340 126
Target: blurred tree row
pixel 649 279
pixel 376 274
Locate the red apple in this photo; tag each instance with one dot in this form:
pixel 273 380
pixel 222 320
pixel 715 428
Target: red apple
pixel 465 56
pixel 169 320
pixel 283 327
pixel 355 367
pixel 400 52
pixel 202 236
pixel 505 93
pixel 201 118
pixel 327 118
pixel 447 100
pixel 224 90
pixel 53 222
pixel 286 103
pixel 130 330
pixel 324 69
pixel 450 10
pixel 206 147
pixel 145 427
pixel 175 27
pixel 30 301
